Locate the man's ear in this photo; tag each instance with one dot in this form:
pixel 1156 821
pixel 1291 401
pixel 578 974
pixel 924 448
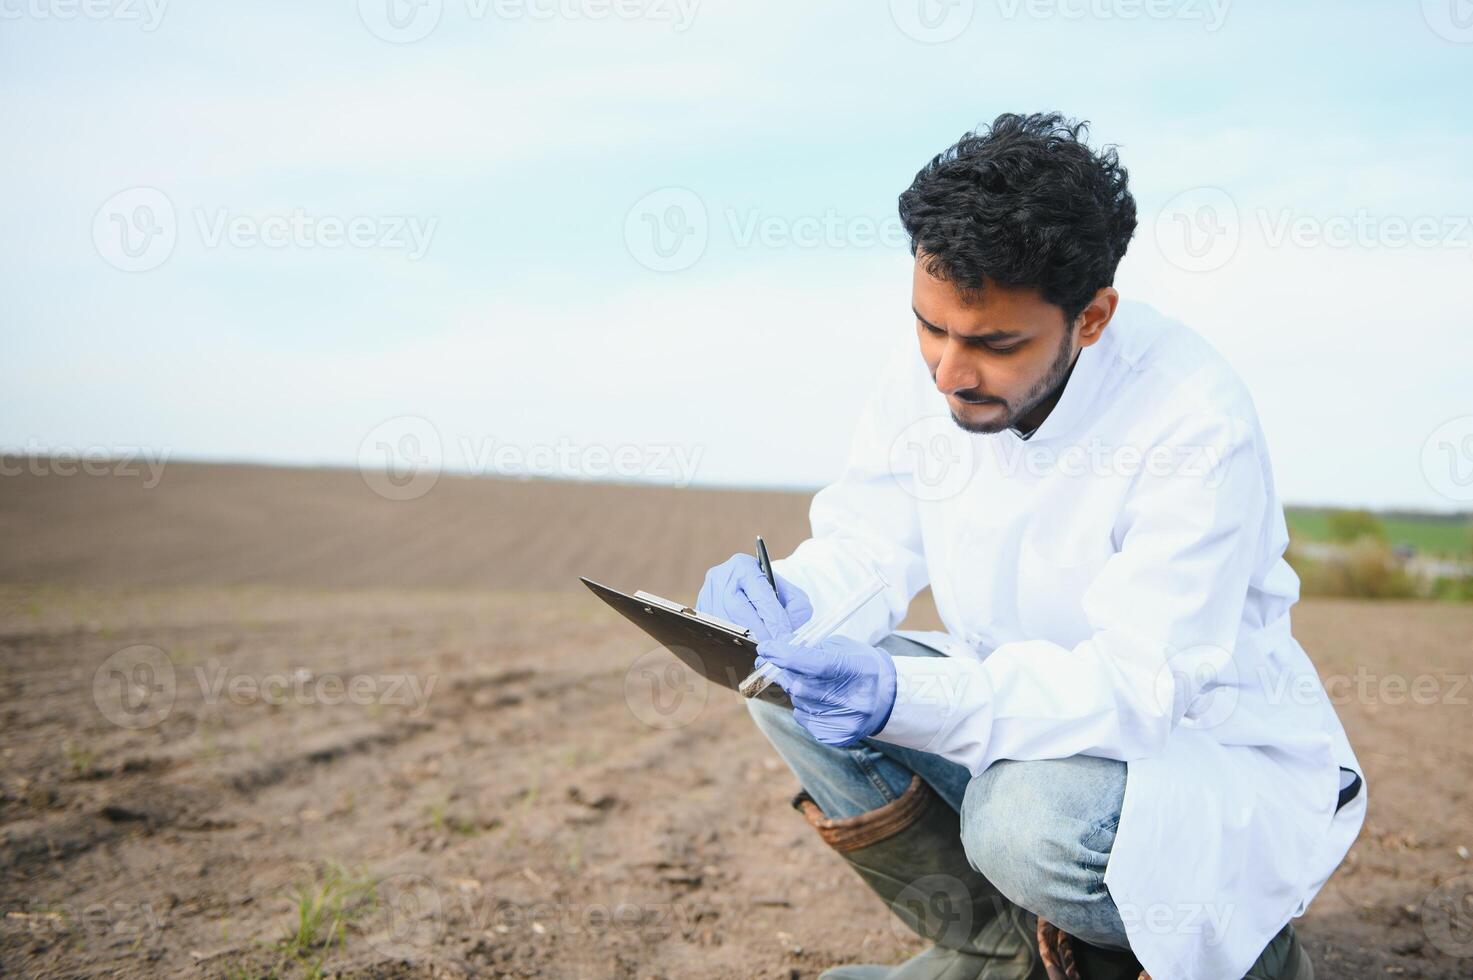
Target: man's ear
pixel 1095 317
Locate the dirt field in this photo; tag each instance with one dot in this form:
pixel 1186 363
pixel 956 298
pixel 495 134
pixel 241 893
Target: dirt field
pixel 387 739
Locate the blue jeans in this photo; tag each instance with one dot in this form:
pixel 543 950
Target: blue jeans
pixel 1041 832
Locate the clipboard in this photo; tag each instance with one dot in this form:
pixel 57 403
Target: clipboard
pixel 721 652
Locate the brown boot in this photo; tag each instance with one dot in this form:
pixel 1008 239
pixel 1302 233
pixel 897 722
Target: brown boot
pixel 1067 958
pixel 910 852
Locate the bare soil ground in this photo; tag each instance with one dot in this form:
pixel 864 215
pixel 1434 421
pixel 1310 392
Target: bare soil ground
pixel 383 739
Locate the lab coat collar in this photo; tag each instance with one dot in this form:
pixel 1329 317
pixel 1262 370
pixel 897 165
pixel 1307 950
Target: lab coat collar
pixel 1091 367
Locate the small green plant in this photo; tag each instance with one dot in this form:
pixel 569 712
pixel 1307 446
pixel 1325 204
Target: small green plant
pixel 1366 569
pixel 324 908
pixel 246 971
pixel 575 854
pixel 441 819
pixel 209 749
pixel 79 758
pixel 1453 589
pixel 1352 525
pixel 184 657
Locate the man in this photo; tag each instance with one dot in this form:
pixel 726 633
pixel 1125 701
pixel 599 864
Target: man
pixel 1116 756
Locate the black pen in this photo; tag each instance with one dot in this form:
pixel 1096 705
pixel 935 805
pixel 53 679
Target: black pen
pixel 765 563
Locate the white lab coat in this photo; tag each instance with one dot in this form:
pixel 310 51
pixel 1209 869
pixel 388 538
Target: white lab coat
pixel 1112 586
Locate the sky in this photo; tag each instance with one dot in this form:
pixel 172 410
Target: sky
pixel 656 239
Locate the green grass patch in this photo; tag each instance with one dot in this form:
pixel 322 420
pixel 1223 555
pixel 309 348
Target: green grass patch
pixel 323 909
pixel 1449 535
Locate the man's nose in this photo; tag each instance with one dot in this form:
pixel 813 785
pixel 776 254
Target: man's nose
pixel 954 373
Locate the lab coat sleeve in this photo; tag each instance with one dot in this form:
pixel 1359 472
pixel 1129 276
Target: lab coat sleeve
pixel 867 521
pixel 1165 611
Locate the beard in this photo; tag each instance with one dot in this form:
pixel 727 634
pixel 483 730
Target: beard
pixel 1042 390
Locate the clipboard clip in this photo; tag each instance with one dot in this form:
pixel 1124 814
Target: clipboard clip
pixel 693 613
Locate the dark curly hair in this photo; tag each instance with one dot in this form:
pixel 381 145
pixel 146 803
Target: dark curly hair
pixel 1024 203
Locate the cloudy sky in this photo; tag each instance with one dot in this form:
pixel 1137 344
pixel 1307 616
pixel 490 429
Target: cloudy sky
pixel 656 238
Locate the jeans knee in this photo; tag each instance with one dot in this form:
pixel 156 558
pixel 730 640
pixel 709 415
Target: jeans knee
pixel 1004 838
pixel 1042 831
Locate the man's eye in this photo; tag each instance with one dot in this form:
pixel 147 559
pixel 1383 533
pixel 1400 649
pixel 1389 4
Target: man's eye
pixel 1003 349
pixel 934 331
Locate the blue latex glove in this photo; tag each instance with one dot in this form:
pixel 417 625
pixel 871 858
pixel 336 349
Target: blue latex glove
pixel 842 690
pixel 737 591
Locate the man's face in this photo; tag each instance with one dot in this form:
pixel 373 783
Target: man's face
pixel 997 360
